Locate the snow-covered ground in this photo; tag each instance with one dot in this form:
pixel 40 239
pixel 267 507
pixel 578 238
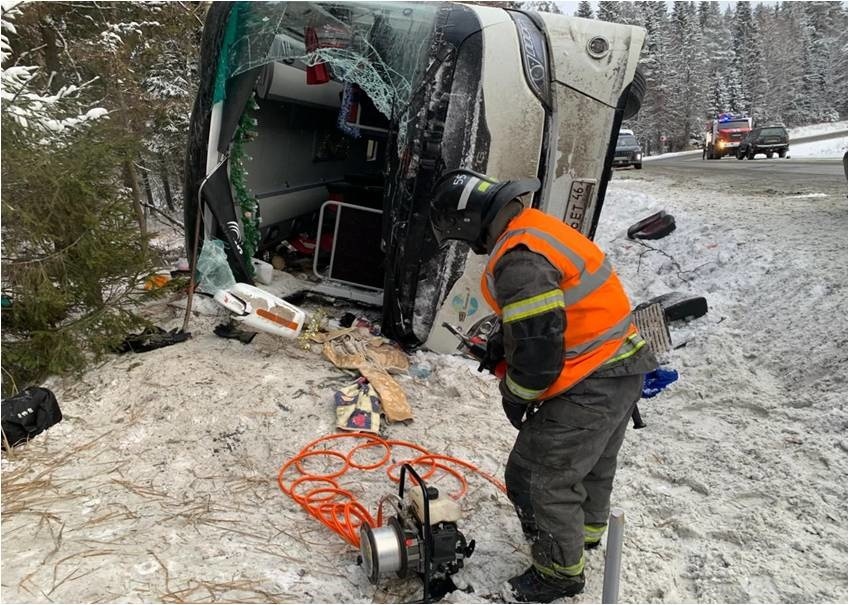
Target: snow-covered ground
pixel 672 154
pixel 159 484
pixel 829 148
pixel 815 129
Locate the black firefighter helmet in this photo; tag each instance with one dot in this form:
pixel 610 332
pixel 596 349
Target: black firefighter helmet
pixel 465 203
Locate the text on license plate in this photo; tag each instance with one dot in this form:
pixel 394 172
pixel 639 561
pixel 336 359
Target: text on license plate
pixel 580 196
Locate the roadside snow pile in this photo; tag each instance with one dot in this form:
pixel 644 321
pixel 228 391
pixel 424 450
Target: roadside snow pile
pixel 673 154
pixel 829 148
pixel 740 476
pixel 815 129
pixel 159 485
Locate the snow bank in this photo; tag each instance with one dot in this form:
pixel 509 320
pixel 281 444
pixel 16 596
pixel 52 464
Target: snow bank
pixel 673 154
pixel 829 148
pixel 740 476
pixel 815 129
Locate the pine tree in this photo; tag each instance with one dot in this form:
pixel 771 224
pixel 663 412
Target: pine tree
pixel 651 123
pixel 767 110
pixel 716 41
pixel 740 68
pixel 142 58
pixel 836 79
pixel 609 10
pixel 787 63
pixel 585 10
pixel 686 75
pixel 756 75
pixel 542 6
pixel 820 56
pixel 72 259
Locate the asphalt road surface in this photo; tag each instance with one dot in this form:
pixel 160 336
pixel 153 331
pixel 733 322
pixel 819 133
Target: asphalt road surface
pixel 761 175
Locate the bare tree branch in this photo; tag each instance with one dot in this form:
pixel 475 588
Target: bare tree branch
pixel 177 224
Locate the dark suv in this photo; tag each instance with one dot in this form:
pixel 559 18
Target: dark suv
pixel 628 150
pixel 765 139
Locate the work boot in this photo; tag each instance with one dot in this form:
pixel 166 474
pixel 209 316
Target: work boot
pixel 533 586
pixel 592 535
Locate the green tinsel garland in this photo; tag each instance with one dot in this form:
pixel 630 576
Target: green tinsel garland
pixel 245 132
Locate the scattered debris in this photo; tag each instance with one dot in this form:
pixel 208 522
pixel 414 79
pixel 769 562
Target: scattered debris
pixel 150 339
pixel 658 225
pixel 374 358
pixel 261 310
pixel 358 407
pixel 213 270
pixel 229 330
pixel 156 281
pixel 263 272
pixel 27 414
pixel 652 325
pixel 679 305
pixel 658 380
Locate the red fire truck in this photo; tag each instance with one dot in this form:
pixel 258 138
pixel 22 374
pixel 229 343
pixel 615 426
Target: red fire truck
pixel 723 135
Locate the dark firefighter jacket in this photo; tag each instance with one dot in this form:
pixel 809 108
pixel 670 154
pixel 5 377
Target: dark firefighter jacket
pixel 563 309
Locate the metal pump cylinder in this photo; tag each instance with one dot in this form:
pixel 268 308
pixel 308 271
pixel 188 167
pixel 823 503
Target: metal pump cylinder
pixel 382 549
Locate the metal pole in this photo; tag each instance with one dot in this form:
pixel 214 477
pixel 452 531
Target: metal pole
pixel 194 259
pixel 613 556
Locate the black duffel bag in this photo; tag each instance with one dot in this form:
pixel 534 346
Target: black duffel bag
pixel 27 414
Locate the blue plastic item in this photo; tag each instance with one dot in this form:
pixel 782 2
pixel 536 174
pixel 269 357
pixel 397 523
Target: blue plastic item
pixel 658 380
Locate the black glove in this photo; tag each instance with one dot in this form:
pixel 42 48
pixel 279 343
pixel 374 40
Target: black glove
pixel 494 351
pixel 495 347
pixel 515 412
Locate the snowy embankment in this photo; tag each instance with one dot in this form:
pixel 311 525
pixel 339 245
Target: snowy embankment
pixel 159 484
pixel 829 148
pixel 817 129
pixel 737 490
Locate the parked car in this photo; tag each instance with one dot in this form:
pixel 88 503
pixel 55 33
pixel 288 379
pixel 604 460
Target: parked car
pixel 767 140
pixel 359 108
pixel 628 150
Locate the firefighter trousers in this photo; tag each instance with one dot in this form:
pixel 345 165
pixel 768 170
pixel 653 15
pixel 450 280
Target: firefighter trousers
pixel 560 472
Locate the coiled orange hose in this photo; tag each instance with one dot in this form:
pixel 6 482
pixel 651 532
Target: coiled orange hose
pixel 337 508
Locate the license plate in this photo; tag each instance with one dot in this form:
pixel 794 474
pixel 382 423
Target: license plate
pixel 579 200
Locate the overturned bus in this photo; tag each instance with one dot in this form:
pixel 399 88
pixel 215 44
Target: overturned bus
pixel 336 119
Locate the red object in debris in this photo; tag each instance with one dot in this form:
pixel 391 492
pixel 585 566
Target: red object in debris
pixel 305 244
pixel 316 74
pixel 500 370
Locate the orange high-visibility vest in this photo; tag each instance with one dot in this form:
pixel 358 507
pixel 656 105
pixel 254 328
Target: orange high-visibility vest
pixel 598 313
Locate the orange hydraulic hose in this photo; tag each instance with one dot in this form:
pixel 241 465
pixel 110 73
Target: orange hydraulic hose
pixel 337 508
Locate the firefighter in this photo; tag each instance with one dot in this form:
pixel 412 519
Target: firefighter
pixel 575 368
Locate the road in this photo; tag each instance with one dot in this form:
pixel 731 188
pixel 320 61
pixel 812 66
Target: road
pixel 755 176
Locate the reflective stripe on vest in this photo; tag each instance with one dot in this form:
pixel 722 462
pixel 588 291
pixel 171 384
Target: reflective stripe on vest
pixel 589 281
pixel 599 326
pixel 632 344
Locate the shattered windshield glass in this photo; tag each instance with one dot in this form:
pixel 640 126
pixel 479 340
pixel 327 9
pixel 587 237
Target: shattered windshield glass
pixel 380 47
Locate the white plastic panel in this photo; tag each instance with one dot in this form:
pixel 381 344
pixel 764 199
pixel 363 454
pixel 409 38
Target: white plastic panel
pixel 287 82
